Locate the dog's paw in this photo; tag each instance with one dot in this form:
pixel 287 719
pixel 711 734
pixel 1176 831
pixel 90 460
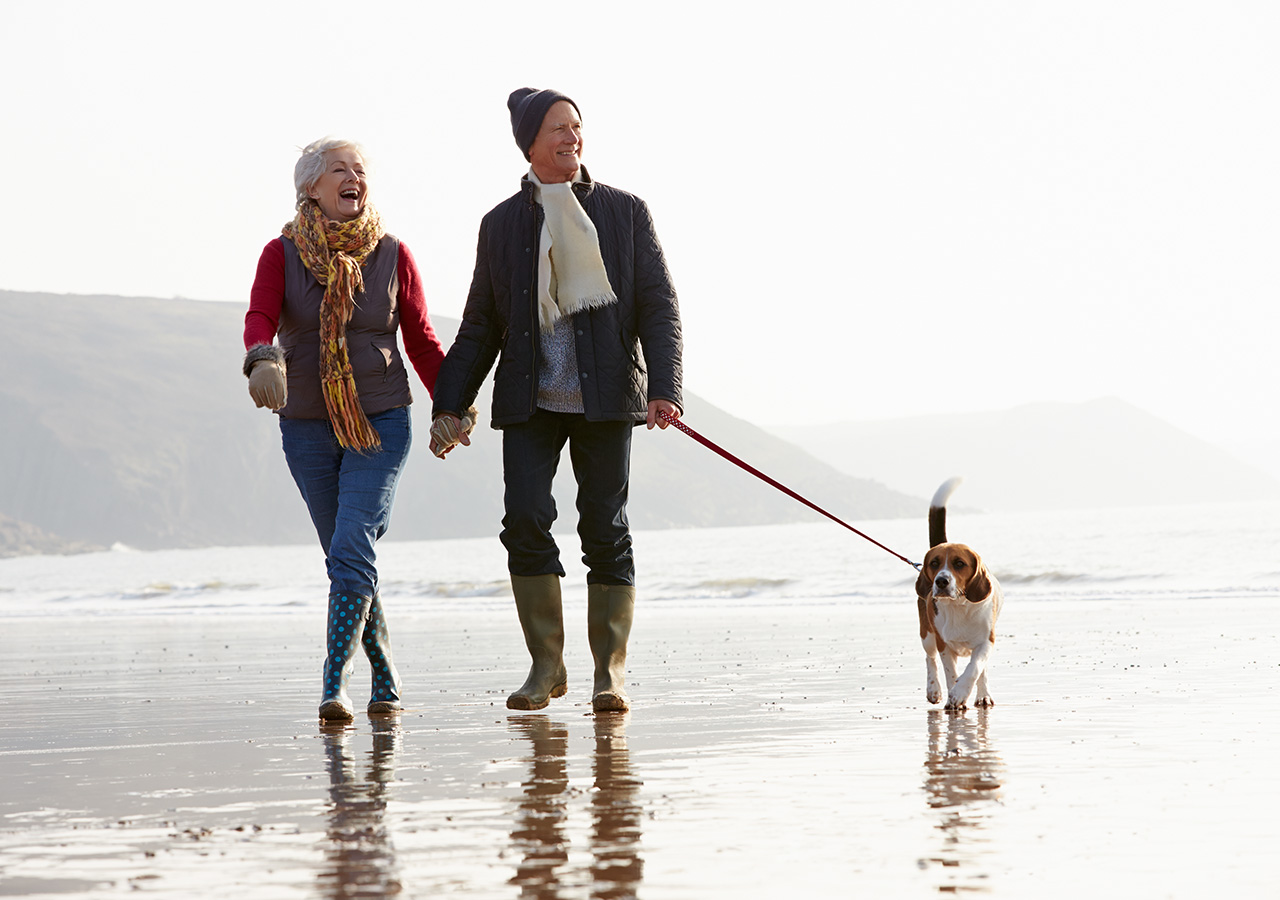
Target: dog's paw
pixel 984 702
pixel 957 702
pixel 932 691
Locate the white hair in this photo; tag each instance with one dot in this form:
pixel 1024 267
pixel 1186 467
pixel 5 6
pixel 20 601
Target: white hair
pixel 313 161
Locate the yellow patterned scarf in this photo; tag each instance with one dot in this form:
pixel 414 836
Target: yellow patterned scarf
pixel 334 253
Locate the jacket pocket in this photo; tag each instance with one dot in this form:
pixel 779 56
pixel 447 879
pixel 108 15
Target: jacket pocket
pixel 631 351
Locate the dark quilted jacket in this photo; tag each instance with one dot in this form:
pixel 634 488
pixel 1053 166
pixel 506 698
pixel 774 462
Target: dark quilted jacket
pixel 615 343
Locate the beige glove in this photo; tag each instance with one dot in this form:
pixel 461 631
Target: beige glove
pixel 448 431
pixel 267 384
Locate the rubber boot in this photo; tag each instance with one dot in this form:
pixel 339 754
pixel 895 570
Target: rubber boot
pixel 384 696
pixel 542 620
pixel 609 612
pixel 345 626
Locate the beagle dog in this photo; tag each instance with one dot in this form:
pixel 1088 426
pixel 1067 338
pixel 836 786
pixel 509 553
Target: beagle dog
pixel 959 601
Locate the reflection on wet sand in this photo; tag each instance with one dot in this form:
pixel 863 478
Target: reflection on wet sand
pixel 360 859
pixel 962 782
pixel 615 812
pixel 539 831
pixel 540 835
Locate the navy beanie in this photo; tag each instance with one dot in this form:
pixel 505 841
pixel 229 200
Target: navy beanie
pixel 528 108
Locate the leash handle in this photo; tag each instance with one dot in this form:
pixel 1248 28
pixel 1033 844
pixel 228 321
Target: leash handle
pixel 711 445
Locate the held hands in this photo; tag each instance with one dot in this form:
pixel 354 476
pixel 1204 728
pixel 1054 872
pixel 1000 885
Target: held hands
pixel 448 431
pixel 661 406
pixel 267 385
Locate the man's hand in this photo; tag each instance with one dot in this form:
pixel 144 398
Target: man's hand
pixel 661 406
pixel 267 385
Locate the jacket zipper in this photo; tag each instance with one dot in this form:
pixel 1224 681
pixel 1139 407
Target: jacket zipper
pixel 533 313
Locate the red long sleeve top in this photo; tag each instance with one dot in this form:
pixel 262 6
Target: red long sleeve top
pixel 421 345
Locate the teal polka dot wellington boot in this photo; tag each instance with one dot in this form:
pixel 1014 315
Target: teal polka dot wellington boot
pixel 385 695
pixel 345 627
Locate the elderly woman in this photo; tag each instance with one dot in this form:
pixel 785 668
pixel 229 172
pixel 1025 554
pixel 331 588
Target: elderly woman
pixel 335 288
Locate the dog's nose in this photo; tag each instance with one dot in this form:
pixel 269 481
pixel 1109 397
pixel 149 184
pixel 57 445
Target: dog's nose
pixel 942 581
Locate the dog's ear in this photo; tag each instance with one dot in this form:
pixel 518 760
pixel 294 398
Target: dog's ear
pixel 924 582
pixel 979 587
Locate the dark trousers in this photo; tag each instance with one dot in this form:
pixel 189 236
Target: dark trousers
pixel 601 456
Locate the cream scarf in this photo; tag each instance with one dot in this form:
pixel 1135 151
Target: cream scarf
pixel 571 275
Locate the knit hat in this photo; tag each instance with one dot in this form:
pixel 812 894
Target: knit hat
pixel 528 108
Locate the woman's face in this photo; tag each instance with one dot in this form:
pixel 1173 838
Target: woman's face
pixel 557 150
pixel 342 189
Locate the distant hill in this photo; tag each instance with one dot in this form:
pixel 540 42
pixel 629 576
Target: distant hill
pixel 1104 453
pixel 127 420
pixel 24 539
pixel 1260 452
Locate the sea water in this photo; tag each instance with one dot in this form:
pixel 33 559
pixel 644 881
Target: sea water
pixel 1206 551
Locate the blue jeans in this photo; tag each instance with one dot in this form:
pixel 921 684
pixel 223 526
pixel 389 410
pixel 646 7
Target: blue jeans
pixel 601 456
pixel 348 494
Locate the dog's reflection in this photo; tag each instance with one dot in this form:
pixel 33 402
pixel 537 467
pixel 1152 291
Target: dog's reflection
pixel 963 777
pixel 361 859
pixel 540 833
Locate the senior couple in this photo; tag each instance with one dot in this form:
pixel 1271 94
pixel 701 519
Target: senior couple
pixel 570 295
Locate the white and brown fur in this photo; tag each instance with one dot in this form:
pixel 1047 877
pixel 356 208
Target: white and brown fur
pixel 959 602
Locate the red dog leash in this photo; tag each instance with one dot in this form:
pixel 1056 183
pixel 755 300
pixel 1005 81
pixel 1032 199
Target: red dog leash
pixel 711 445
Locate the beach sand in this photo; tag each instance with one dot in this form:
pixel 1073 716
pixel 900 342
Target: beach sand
pixel 771 751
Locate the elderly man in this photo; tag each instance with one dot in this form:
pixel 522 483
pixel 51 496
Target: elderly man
pixel 572 291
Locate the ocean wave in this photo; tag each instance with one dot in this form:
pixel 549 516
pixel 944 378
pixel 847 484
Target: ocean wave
pixel 1056 577
pixel 736 587
pixel 170 589
pixel 454 589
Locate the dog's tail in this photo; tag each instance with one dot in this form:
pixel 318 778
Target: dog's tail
pixel 938 511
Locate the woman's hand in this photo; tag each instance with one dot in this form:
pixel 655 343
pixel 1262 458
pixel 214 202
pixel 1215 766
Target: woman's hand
pixel 267 385
pixel 448 431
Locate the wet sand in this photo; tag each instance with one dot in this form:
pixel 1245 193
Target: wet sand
pixel 770 752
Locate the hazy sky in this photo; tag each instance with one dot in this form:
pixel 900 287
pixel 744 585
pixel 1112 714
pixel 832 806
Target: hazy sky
pixel 871 209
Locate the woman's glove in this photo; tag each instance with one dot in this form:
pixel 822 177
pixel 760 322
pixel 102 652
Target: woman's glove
pixel 267 385
pixel 448 431
pixel 264 366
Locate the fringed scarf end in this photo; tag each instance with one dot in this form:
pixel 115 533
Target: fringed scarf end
pixel 351 426
pixel 550 313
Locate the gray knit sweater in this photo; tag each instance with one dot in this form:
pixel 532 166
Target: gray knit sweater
pixel 558 387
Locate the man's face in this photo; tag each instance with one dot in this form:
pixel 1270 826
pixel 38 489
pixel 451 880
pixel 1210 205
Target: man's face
pixel 557 150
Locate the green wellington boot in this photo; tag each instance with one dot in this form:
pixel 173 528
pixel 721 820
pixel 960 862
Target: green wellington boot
pixel 345 626
pixel 542 620
pixel 609 611
pixel 384 697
